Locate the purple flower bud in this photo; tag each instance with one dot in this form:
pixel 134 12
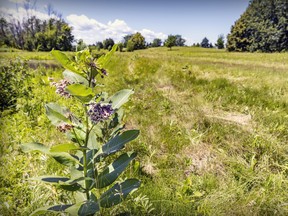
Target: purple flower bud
pixel 99 112
pixel 104 72
pixel 60 88
pixel 64 127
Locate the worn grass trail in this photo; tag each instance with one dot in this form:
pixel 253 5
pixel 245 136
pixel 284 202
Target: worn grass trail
pixel 214 131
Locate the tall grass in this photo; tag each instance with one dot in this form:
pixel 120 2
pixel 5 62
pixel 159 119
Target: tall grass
pixel 214 133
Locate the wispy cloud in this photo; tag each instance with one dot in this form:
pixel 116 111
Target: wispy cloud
pixel 21 13
pixel 88 29
pixel 17 1
pixel 91 30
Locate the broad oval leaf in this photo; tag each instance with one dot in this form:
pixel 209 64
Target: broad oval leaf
pixel 61 157
pixel 38 147
pixel 118 193
pixel 117 143
pixel 64 147
pixel 120 97
pixel 57 114
pixel 82 92
pixel 104 60
pixel 52 179
pixel 111 172
pixel 55 208
pixel 64 158
pixel 65 61
pixel 85 208
pixel 75 78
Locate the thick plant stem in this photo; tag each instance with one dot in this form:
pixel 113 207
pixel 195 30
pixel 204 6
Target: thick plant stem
pixel 85 156
pixel 85 173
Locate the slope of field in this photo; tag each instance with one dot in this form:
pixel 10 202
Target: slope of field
pixel 214 133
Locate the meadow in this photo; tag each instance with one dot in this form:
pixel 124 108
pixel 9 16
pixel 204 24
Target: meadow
pixel 213 141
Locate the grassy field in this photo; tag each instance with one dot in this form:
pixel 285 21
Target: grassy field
pixel 214 133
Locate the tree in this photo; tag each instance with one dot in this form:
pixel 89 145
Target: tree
pixel 99 45
pixel 205 43
pixel 170 41
pixel 220 42
pixel 156 42
pixel 138 40
pixel 179 40
pixel 81 45
pixel 108 43
pixel 130 46
pixel 126 39
pixel 262 27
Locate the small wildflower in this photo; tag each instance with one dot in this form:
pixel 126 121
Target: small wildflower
pixel 92 64
pixel 104 72
pixel 99 112
pixel 64 127
pixel 60 88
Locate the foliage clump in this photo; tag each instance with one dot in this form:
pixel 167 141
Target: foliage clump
pixel 12 83
pixel 262 27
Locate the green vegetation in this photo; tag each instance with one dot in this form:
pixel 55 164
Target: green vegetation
pixel 213 140
pixel 262 27
pixel 31 33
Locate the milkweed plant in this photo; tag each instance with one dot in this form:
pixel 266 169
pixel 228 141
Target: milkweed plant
pixel 95 137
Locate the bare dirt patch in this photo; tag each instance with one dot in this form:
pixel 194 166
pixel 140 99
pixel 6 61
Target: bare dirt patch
pixel 203 160
pixel 241 119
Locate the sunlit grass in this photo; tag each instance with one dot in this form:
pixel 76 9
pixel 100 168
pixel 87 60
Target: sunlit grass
pixel 214 132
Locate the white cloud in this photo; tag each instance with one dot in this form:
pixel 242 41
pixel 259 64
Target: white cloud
pixel 21 13
pixel 91 31
pixel 17 1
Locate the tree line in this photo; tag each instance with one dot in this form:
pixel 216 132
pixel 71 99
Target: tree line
pixel 36 34
pixel 262 27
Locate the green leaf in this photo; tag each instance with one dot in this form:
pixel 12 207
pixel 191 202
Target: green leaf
pixel 57 114
pixel 120 98
pixel 63 182
pixel 38 147
pixel 56 208
pixel 64 147
pixel 92 141
pixel 75 78
pixel 64 158
pixel 61 157
pixel 65 61
pixel 104 60
pixel 88 207
pixel 52 179
pixel 80 91
pixel 111 172
pixel 73 187
pixel 117 143
pixel 118 193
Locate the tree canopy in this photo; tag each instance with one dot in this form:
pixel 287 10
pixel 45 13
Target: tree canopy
pixel 205 43
pixel 156 42
pixel 220 42
pixel 108 43
pixel 35 34
pixel 262 27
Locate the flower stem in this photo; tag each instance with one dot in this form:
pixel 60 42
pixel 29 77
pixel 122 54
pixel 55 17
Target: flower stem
pixel 85 156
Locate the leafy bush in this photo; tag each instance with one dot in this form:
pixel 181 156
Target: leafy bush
pixel 12 80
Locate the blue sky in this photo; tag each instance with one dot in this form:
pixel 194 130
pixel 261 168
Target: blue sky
pixel 95 20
